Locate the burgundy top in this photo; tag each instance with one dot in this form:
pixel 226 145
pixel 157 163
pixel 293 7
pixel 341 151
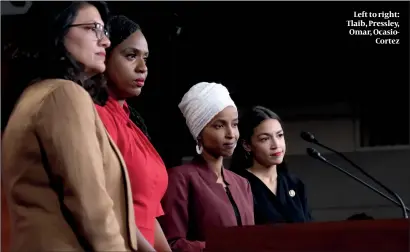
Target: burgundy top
pixel 146 170
pixel 194 201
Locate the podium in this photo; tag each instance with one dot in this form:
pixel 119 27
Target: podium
pixel 354 235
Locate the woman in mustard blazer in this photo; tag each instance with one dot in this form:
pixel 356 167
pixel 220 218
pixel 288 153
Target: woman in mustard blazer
pixel 66 184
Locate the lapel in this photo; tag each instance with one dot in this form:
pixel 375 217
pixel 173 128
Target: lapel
pixel 207 174
pixel 130 208
pixel 237 194
pixel 290 204
pixel 48 86
pixel 278 201
pixel 210 177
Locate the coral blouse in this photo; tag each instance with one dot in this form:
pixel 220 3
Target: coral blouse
pixel 147 171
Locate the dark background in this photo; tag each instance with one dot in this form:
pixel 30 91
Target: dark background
pixel 279 54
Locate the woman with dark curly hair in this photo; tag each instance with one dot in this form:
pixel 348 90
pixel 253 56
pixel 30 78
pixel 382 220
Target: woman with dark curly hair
pixel 65 181
pixel 126 72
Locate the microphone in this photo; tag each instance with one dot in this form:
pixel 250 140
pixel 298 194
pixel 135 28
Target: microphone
pixel 315 154
pixel 308 137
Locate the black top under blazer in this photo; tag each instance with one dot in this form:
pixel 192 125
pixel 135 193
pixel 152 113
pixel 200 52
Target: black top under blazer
pixel 289 205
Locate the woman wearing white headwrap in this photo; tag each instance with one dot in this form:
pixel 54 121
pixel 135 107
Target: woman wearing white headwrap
pixel 203 194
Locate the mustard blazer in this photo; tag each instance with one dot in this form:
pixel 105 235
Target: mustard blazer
pixel 65 181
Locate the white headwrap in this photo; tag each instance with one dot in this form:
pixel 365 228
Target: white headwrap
pixel 203 102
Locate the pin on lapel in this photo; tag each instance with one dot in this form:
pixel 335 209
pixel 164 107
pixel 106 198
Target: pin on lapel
pixel 292 193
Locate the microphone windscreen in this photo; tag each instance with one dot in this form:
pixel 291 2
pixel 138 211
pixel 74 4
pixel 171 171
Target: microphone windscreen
pixel 307 136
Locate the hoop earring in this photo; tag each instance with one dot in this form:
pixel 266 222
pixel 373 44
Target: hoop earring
pixel 198 149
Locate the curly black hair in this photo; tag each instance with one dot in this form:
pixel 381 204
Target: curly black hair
pixel 120 28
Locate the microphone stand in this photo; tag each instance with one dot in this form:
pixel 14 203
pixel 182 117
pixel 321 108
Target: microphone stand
pixel 315 154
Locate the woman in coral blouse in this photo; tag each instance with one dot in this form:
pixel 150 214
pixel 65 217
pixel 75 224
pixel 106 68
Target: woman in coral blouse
pixel 126 74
